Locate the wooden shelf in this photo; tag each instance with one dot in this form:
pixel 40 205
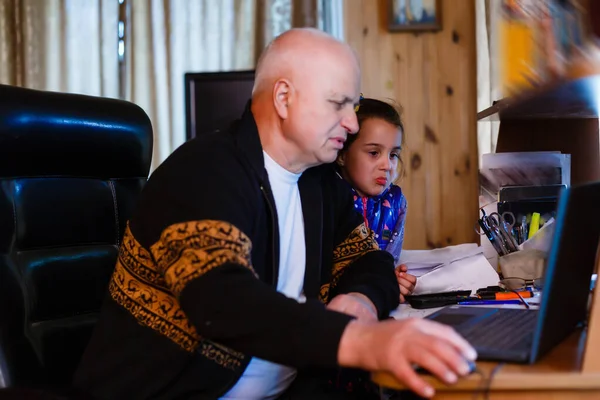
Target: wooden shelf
pixel 572 99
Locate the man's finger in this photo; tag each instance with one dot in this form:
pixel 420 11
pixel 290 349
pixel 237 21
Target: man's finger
pixel 404 373
pixel 449 355
pixel 433 363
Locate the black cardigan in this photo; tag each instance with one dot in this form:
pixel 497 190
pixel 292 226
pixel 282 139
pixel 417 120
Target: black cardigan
pixel 193 296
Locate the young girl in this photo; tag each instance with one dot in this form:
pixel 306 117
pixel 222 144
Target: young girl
pixel 369 162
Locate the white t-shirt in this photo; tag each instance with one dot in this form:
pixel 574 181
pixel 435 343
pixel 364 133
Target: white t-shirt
pixel 263 379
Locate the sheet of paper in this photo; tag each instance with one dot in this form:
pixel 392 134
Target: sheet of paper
pixel 421 262
pixel 440 256
pixel 420 269
pixel 468 273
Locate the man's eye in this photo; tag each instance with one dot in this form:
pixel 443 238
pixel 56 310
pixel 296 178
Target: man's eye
pixel 339 105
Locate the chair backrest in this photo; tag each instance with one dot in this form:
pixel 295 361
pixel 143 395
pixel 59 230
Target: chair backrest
pixel 71 170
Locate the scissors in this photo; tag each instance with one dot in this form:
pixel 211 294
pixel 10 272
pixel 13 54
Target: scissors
pixel 504 227
pixel 497 229
pixel 489 228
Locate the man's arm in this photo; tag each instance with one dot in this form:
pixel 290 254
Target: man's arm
pixel 197 233
pixel 196 219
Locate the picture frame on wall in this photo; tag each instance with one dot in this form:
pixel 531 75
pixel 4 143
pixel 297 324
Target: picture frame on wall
pixel 414 15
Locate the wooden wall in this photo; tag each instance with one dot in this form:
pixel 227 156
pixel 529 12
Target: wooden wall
pixel 433 76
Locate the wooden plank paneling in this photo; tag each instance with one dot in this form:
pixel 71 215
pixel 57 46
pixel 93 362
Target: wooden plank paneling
pixel 433 77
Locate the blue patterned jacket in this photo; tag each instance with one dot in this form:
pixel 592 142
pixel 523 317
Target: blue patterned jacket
pixel 385 215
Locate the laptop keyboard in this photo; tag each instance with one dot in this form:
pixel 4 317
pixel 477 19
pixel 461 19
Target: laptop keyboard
pixel 506 329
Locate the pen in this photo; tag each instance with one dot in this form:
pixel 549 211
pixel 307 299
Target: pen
pixel 479 302
pixel 517 234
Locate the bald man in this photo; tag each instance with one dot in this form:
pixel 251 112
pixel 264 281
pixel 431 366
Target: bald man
pixel 245 266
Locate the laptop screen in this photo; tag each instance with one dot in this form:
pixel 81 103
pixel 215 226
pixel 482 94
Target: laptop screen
pixel 570 267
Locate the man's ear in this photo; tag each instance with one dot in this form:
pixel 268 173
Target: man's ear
pixel 282 97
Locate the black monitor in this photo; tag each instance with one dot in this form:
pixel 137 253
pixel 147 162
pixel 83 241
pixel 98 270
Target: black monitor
pixel 213 100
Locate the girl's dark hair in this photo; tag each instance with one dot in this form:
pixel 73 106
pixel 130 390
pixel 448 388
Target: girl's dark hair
pixel 373 108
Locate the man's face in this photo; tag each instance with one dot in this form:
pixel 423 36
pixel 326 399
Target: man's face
pixel 321 114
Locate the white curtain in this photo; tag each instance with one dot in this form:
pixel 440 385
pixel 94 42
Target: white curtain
pixel 60 45
pixel 170 37
pixel 72 46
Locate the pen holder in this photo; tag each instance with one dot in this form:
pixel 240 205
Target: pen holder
pixel 525 264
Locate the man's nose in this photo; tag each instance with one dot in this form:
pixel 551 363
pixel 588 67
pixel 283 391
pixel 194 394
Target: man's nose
pixel 350 122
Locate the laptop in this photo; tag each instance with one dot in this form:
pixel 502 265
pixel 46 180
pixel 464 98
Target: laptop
pixel 525 335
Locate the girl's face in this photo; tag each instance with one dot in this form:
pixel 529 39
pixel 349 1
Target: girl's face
pixel 371 161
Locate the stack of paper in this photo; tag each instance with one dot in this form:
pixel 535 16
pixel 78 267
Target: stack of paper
pixel 461 267
pixel 421 262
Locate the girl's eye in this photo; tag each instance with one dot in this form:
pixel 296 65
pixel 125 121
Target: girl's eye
pixel 395 156
pixel 373 153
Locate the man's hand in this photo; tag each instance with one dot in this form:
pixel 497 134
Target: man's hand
pixel 396 346
pixel 355 304
pixel 406 281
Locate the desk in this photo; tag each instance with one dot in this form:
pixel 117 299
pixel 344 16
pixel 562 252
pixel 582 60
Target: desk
pixel 556 376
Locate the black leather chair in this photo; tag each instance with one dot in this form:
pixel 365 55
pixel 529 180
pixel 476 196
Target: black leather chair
pixel 71 170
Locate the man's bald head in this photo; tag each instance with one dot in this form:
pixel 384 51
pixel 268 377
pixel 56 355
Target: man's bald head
pixel 306 86
pixel 296 53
